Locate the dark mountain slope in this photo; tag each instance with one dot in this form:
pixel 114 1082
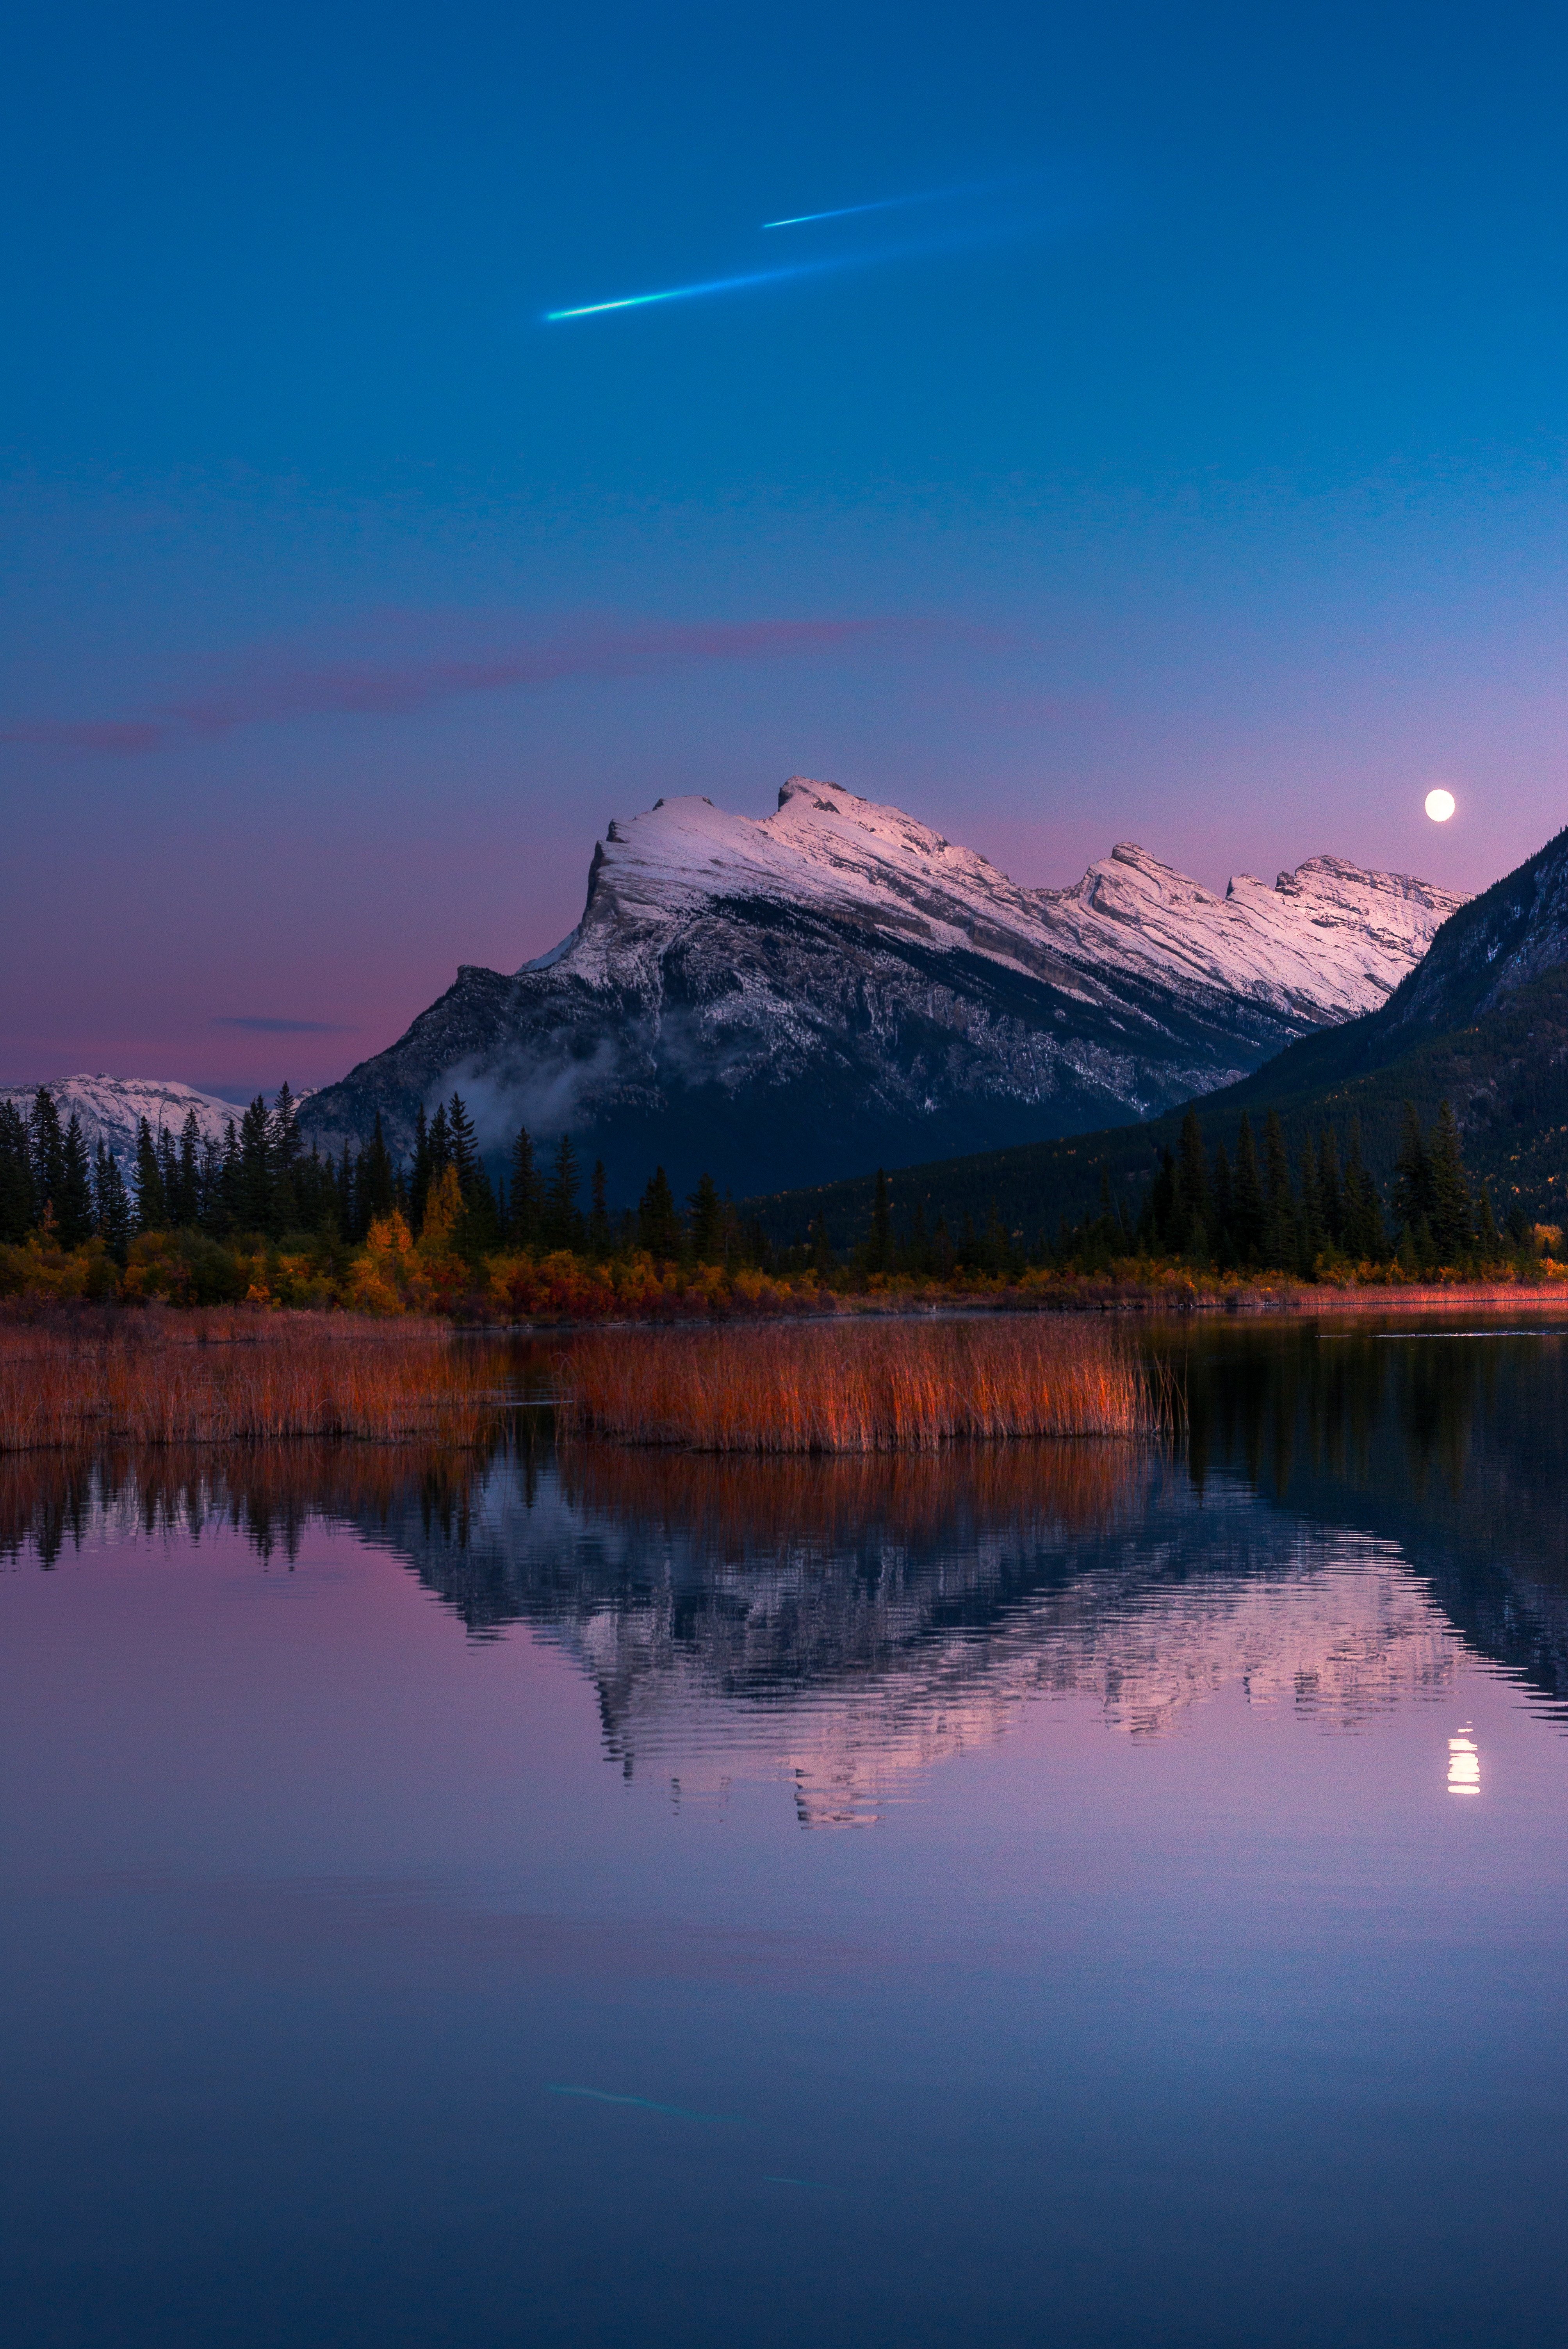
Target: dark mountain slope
pixel 1482 1023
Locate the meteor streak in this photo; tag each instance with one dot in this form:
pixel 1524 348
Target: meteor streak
pixel 689 293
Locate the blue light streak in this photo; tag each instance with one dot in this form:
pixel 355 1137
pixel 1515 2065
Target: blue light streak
pixel 690 293
pixel 846 211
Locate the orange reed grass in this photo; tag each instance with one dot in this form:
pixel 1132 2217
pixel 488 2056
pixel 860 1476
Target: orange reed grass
pixel 868 1387
pixel 160 1378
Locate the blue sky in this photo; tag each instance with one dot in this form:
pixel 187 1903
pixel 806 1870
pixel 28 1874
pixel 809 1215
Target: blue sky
pixel 1187 467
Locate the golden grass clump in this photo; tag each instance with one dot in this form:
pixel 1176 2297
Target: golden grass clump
pixel 890 1386
pixel 161 1378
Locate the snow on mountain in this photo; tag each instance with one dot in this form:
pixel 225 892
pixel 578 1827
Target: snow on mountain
pixel 788 998
pixel 111 1108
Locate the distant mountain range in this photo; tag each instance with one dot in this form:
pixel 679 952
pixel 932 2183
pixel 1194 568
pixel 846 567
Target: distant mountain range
pixel 780 1001
pixel 1482 1023
pixel 111 1108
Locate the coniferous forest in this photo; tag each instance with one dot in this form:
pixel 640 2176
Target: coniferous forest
pixel 257 1218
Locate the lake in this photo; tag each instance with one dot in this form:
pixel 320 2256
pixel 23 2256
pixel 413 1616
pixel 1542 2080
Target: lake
pixel 1059 1894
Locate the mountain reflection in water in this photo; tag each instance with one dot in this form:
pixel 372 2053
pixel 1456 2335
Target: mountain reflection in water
pixel 1348 1514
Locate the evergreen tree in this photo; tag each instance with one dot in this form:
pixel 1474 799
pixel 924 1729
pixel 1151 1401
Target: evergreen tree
pixel 1414 1196
pixel 111 1205
pixel 286 1153
pixel 823 1261
pixel 464 1148
pixel 702 1222
pixel 254 1188
pixel 1250 1212
pixel 46 1145
pixel 524 1204
pixel 1221 1193
pixel 420 1173
pixel 185 1198
pixel 1365 1238
pixel 1489 1244
pixel 168 1175
pixel 1192 1189
pixel 561 1218
pixel 881 1254
pixel 1453 1230
pixel 210 1215
pixel 74 1206
pixel 1311 1236
pixel 15 1175
pixel 375 1194
pixel 1280 1229
pixel 658 1230
pixel 1330 1191
pixel 151 1211
pixel 599 1233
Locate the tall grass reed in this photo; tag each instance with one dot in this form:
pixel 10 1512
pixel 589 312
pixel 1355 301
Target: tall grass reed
pixel 886 1386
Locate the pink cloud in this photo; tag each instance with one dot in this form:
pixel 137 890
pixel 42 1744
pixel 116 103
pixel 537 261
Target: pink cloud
pixel 271 688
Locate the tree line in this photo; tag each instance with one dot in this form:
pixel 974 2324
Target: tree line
pixel 260 1181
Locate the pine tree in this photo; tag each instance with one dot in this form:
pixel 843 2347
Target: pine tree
pixel 1311 1236
pixel 1221 1193
pixel 1489 1244
pixel 702 1222
pixel 375 1192
pixel 881 1256
pixel 599 1233
pixel 658 1229
pixel 1363 1236
pixel 168 1174
pixel 15 1175
pixel 1330 1191
pixel 74 1207
pixel 1414 1196
pixel 823 1261
pixel 1453 1232
pixel 561 1218
pixel 254 1202
pixel 464 1148
pixel 1280 1232
pixel 524 1207
pixel 111 1205
pixel 1193 1210
pixel 1250 1214
pixel 421 1171
pixel 46 1145
pixel 151 1211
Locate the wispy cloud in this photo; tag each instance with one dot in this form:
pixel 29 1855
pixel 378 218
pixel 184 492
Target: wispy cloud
pixel 264 1027
pixel 271 688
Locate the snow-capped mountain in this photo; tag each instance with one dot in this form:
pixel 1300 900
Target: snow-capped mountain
pixel 785 1000
pixel 110 1109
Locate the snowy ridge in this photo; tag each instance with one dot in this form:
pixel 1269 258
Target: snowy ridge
pixel 1327 942
pixel 110 1109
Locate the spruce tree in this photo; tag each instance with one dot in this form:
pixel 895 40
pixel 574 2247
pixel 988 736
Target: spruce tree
pixel 168 1174
pixel 185 1206
pixel 702 1222
pixel 254 1203
pixel 1311 1235
pixel 15 1175
pixel 1453 1233
pixel 1365 1238
pixel 1414 1196
pixel 599 1233
pixel 111 1205
pixel 880 1257
pixel 74 1207
pixel 375 1192
pixel 658 1228
pixel 561 1218
pixel 464 1148
pixel 523 1202
pixel 1221 1193
pixel 1330 1191
pixel 152 1210
pixel 1250 1212
pixel 1280 1233
pixel 46 1145
pixel 421 1171
pixel 1192 1212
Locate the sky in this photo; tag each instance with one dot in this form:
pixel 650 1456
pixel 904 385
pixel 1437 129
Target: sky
pixel 1165 441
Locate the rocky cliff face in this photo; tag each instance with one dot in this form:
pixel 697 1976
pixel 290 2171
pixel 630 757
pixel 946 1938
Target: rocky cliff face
pixel 784 1000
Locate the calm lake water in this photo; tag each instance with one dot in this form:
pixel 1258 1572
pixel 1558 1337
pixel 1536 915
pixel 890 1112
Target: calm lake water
pixel 1052 1895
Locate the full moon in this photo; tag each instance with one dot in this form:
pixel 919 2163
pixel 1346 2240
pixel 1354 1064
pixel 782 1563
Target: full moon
pixel 1439 806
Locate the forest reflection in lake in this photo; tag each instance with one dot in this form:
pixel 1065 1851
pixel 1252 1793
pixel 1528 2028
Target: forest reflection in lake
pixel 427 1924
